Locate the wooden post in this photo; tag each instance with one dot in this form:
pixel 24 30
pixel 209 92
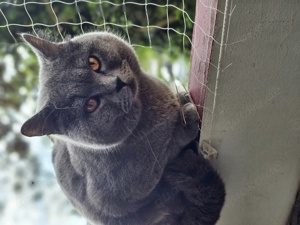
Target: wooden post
pixel 206 12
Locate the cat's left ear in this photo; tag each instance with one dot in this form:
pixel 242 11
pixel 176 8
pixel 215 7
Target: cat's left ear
pixel 46 49
pixel 44 122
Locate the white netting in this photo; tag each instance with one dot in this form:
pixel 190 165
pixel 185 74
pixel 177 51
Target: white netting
pixel 133 19
pixel 162 24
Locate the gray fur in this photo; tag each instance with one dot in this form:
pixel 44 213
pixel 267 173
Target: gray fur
pixel 119 164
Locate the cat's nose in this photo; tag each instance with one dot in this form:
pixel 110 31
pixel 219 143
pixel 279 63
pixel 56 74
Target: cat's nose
pixel 119 84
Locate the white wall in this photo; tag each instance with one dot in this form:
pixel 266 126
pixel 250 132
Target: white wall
pixel 255 123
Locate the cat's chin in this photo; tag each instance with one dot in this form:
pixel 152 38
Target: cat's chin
pixel 95 147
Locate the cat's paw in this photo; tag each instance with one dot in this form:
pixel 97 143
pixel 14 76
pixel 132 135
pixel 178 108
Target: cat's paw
pixel 201 186
pixel 190 118
pixel 194 176
pixel 186 166
pixel 187 125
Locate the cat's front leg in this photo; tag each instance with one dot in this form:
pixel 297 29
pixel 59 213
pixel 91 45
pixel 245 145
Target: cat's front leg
pixel 201 186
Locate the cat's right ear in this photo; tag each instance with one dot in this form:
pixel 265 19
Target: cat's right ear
pixel 46 49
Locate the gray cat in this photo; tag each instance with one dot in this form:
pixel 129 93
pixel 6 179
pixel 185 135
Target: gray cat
pixel 123 143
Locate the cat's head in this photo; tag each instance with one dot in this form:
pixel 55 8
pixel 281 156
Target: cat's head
pixel 88 89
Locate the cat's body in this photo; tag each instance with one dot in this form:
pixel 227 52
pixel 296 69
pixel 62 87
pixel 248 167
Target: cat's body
pixel 118 136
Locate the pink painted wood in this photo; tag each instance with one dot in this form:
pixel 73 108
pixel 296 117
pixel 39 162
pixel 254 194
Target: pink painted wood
pixel 203 32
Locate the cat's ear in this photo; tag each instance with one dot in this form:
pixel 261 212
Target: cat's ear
pixel 46 49
pixel 42 123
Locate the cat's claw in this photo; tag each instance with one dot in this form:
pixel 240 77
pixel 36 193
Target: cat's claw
pixel 184 97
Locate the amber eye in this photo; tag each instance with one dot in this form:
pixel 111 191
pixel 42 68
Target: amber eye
pixel 91 105
pixel 94 63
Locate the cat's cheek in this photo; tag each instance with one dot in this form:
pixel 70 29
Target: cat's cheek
pixel 103 117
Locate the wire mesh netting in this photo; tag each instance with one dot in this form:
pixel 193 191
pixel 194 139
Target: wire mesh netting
pixel 145 23
pixel 30 193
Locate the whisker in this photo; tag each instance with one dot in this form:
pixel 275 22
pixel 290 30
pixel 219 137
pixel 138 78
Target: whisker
pixel 131 132
pixel 151 149
pixel 131 120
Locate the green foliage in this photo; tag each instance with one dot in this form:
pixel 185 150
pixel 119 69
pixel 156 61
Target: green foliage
pixel 75 17
pixel 18 76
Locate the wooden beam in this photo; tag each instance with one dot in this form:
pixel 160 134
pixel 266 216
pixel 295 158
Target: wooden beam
pixel 205 18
